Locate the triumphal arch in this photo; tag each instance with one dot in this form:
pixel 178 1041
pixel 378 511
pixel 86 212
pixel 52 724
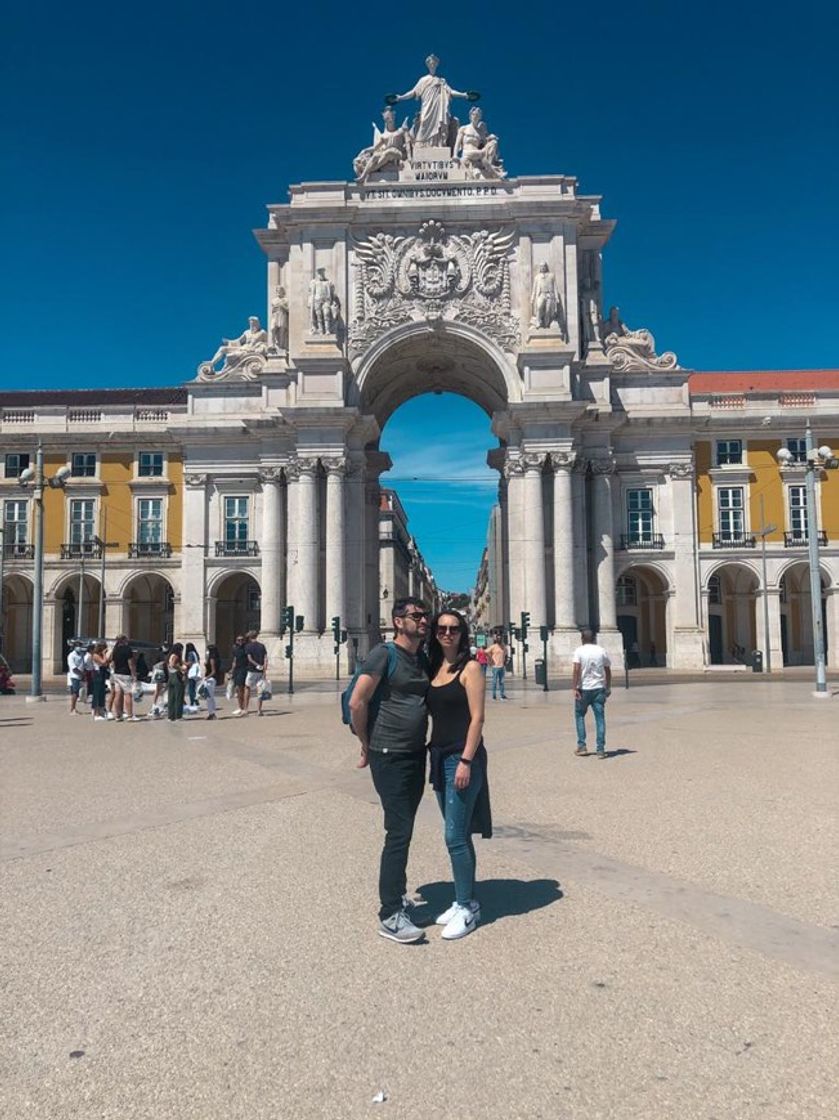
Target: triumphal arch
pixel 436 267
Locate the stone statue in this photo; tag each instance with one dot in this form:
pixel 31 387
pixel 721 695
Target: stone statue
pixel 477 149
pixel 279 320
pixel 432 126
pixel 235 351
pixel 632 350
pixel 590 303
pixel 324 305
pixel 544 299
pixel 394 145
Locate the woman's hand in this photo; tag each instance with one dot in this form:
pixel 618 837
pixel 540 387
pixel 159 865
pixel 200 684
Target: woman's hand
pixel 462 775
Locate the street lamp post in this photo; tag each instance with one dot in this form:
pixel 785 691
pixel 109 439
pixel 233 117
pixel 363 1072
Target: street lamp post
pixel 817 459
pixel 36 478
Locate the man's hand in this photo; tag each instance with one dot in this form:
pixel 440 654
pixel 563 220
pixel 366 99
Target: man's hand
pixel 363 760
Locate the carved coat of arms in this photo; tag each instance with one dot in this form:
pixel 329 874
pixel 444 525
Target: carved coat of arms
pixel 432 276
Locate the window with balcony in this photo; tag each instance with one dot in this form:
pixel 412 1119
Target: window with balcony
pixel 731 515
pixel 150 464
pixel 150 533
pixel 82 529
pixel 639 519
pixel 729 452
pixel 798 450
pixel 83 464
pixel 798 512
pixel 16 529
pixel 15 464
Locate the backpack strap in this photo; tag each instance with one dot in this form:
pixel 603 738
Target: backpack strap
pixel 392 660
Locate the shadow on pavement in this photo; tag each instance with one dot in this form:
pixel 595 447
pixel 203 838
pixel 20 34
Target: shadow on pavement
pixel 619 751
pixel 499 898
pixel 18 721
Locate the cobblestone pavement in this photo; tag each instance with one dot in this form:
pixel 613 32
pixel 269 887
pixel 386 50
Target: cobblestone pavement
pixel 188 928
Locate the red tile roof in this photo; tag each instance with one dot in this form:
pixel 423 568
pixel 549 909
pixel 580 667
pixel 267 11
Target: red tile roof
pixel 764 381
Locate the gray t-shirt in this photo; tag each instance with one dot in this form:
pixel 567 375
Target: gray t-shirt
pixel 401 723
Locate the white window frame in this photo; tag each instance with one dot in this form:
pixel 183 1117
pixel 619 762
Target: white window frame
pixel 15 454
pixel 743 532
pixel 71 521
pixel 95 455
pixel 646 535
pixel 152 477
pixel 624 583
pixel 11 539
pixel 225 498
pixel 720 443
pixel 140 521
pixel 797 445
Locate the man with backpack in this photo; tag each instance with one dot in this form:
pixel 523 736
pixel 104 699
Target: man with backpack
pixel 389 716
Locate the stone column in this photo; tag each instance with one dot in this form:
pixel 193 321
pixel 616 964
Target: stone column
pixel 534 541
pixel 272 551
pixel 685 636
pixel 336 604
pixel 831 631
pixel 772 640
pixel 303 539
pixel 603 472
pixel 564 609
pixel 514 475
pixel 189 597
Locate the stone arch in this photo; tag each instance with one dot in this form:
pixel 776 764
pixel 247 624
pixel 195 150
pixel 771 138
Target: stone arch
pixel 796 611
pixel 64 597
pixel 642 616
pixel 234 607
pixel 16 623
pixel 732 625
pixel 416 358
pixel 149 605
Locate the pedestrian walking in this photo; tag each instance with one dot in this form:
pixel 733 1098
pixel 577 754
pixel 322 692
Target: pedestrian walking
pixel 175 682
pixel 592 683
pixel 257 665
pixel 213 675
pixel 75 676
pixel 100 678
pixel 483 660
pixel 497 654
pixel 192 664
pixel 390 717
pixel 239 672
pixel 456 701
pixel 159 676
pixel 123 679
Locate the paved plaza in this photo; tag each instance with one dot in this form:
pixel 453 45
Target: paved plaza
pixel 189 920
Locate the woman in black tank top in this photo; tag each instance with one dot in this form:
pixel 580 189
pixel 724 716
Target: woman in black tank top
pixel 458 760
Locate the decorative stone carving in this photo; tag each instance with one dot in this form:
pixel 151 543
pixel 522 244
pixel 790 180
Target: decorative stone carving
pixel 533 460
pixel 681 470
pixel 433 124
pixel 633 350
pixel 196 481
pixel 299 467
pixel 602 466
pixel 544 300
pixel 434 276
pixel 393 146
pixel 513 468
pixel 324 306
pixel 590 296
pixel 477 149
pixel 279 321
pixel 334 464
pixel 563 460
pixel 271 474
pixel 243 358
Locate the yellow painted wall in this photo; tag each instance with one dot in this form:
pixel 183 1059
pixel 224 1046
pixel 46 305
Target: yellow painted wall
pixel 54 518
pixel 174 529
pixel 116 471
pixel 760 456
pixel 704 499
pixel 830 500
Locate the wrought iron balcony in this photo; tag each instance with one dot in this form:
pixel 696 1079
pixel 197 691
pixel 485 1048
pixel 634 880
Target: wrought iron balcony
pixel 16 550
pixel 801 540
pixel 632 542
pixel 76 550
pixel 143 550
pixel 734 540
pixel 237 548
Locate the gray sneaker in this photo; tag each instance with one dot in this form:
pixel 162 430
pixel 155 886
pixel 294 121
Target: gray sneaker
pixel 399 927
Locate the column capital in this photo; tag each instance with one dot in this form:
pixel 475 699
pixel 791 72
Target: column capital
pixel 603 465
pixel 682 469
pixel 513 468
pixel 301 467
pixel 335 465
pixel 196 481
pixel 270 474
pixel 563 461
pixel 533 461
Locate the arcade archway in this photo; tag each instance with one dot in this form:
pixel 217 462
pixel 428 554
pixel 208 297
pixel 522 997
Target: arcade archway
pixel 17 623
pixel 642 595
pixel 797 615
pixel 76 600
pixel 731 593
pixel 149 609
pixel 235 608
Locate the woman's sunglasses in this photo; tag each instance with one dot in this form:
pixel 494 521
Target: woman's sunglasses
pixel 443 630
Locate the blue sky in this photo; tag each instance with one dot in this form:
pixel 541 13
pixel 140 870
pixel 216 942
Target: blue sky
pixel 142 144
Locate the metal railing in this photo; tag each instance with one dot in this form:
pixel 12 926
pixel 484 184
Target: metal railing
pixel 734 540
pixel 801 539
pixel 237 548
pixel 141 550
pixel 16 550
pixel 75 550
pixel 631 542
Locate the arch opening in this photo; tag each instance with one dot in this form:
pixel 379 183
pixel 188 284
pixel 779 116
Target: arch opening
pixel 16 624
pixel 797 646
pixel 150 609
pixel 732 630
pixel 237 608
pixel 642 594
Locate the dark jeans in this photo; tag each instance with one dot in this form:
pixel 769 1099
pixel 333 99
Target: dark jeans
pixel 457 806
pixel 399 780
pixel 175 696
pixel 98 699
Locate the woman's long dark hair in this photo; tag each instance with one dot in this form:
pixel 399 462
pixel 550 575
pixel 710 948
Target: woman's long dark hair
pixel 435 650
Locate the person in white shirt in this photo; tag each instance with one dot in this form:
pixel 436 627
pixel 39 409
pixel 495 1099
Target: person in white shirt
pixel 592 683
pixel 75 675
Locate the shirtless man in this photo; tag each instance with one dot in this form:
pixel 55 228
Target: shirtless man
pixel 497 654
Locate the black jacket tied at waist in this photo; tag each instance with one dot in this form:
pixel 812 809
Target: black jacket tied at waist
pixel 482 813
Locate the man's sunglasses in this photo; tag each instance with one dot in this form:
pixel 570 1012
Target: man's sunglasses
pixel 415 615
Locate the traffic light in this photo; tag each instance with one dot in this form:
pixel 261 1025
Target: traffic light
pixel 288 618
pixel 289 652
pixel 525 622
pixel 336 629
pixel 298 623
pixel 343 636
pixel 543 633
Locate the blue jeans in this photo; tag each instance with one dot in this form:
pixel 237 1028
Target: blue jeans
pixel 456 805
pixel 594 698
pixel 498 681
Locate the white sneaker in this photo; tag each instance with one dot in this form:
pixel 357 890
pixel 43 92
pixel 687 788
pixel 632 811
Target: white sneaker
pixel 134 719
pixel 238 712
pixel 110 715
pixel 99 719
pixel 463 922
pixel 447 915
